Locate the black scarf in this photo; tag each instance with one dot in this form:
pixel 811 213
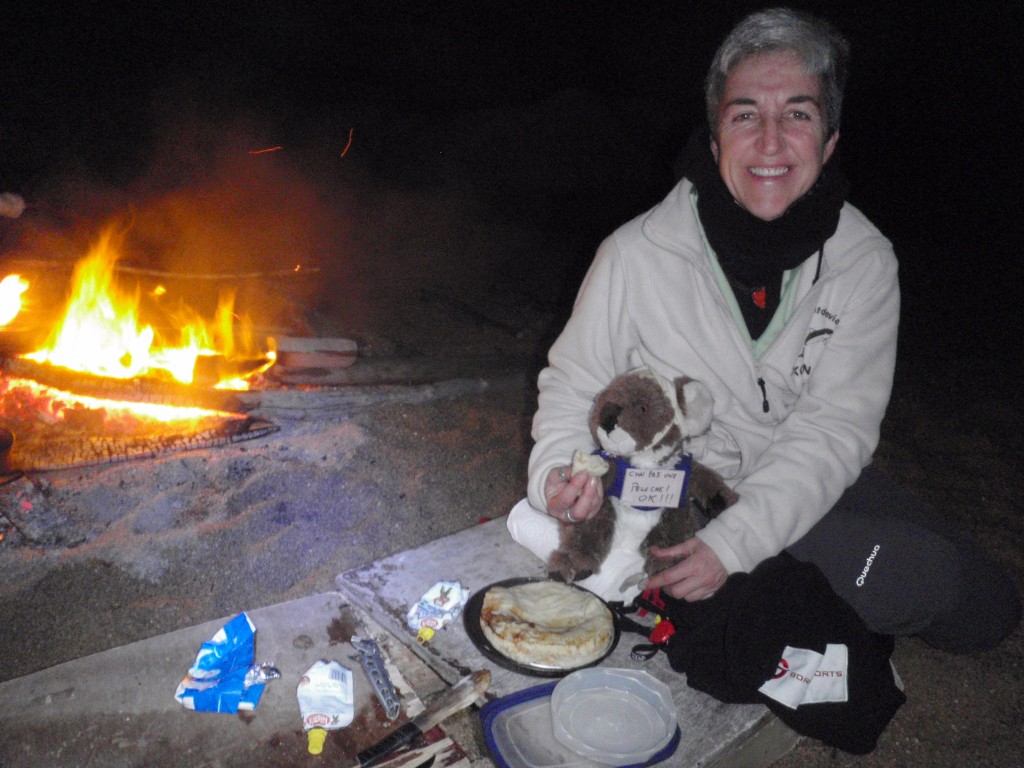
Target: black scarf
pixel 752 251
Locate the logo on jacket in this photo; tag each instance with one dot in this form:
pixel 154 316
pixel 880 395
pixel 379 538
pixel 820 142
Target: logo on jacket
pixel 822 312
pixel 814 345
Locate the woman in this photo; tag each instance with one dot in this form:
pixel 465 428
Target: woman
pixel 755 277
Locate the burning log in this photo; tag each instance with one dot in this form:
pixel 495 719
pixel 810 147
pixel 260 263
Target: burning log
pixel 55 429
pixel 138 390
pixel 211 370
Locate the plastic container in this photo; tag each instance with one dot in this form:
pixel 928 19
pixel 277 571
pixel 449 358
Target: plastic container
pixel 613 716
pixel 519 732
pixel 326 701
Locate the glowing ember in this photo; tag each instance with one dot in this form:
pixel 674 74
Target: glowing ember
pixel 50 406
pixel 102 333
pixel 11 288
pixel 55 429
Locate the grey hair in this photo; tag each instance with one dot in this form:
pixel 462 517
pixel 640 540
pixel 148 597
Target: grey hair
pixel 825 54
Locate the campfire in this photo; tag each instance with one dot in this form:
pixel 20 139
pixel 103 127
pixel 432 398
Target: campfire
pixel 124 374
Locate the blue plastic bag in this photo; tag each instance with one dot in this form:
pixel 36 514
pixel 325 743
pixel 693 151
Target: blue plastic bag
pixel 217 682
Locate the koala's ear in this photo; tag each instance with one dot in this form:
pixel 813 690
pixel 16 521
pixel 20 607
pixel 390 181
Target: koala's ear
pixel 697 405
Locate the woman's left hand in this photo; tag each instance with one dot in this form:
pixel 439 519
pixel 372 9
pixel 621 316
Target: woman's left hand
pixel 698 575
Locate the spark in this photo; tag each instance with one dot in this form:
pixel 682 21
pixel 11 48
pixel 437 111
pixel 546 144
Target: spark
pixel 349 144
pixel 264 151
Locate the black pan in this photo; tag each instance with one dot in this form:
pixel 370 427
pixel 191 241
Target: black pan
pixel 471 619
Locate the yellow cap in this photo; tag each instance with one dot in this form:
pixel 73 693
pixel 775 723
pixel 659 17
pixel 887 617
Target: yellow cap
pixel 424 635
pixel 316 738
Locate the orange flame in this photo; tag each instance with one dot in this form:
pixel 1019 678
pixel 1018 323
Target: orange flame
pixel 102 333
pixel 11 288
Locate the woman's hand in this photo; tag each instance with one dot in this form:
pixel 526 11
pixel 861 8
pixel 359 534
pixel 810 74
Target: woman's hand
pixel 698 575
pixel 572 499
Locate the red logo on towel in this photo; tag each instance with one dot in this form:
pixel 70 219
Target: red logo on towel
pixel 782 670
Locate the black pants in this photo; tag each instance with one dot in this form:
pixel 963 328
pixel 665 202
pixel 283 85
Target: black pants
pixel 907 572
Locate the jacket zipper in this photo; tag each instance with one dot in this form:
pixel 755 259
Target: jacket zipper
pixel 765 408
pixel 764 395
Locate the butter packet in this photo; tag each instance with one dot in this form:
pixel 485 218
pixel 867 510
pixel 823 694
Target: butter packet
pixel 440 605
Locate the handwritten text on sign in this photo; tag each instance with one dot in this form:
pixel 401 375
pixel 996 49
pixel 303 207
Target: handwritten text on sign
pixel 654 487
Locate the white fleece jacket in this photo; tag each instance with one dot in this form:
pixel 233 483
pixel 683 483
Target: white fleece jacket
pixel 793 428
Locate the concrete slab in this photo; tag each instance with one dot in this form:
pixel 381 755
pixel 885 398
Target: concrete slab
pixel 724 735
pixel 117 708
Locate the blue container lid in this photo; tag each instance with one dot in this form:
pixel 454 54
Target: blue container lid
pixel 519 733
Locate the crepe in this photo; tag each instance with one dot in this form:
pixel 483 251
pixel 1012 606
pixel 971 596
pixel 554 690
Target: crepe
pixel 591 463
pixel 547 624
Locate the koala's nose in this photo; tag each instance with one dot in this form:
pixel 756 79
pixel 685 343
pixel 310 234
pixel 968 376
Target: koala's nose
pixel 609 417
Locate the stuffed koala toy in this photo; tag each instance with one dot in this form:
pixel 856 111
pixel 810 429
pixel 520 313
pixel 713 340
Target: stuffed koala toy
pixel 643 421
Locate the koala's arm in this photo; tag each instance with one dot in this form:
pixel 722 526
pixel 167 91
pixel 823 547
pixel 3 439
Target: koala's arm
pixel 708 491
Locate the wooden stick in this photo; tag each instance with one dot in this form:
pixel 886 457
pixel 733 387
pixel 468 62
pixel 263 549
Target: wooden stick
pixel 455 699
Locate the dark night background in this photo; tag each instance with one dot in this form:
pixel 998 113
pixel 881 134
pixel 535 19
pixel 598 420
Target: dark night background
pixel 570 112
pixel 494 144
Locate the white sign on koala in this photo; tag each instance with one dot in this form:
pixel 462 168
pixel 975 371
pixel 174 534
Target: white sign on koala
pixel 654 487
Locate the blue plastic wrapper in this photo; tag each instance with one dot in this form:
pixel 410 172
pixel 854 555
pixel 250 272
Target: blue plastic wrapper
pixel 216 682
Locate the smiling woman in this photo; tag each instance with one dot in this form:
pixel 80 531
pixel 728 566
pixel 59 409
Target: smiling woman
pixel 757 278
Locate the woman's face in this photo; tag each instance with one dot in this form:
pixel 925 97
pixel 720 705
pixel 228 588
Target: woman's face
pixel 771 143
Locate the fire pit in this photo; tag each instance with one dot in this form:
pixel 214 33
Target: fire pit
pixel 106 387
